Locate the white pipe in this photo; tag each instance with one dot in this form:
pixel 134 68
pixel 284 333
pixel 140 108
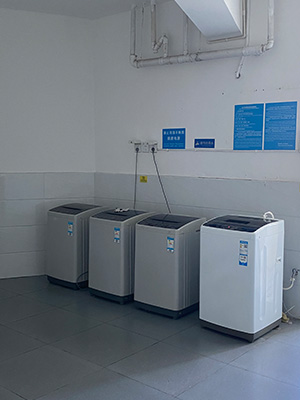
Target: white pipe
pixel 193 57
pixel 133 32
pixel 185 38
pixel 209 55
pixel 163 40
pixel 291 285
pixel 246 22
pixel 239 70
pixel 153 25
pixel 271 24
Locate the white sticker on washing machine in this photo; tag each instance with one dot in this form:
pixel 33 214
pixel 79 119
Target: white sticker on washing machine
pixel 170 244
pixel 70 228
pixel 243 254
pixel 117 235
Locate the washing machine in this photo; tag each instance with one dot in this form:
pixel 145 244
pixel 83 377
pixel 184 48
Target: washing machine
pixel 241 274
pixel 67 244
pixel 167 264
pixel 111 253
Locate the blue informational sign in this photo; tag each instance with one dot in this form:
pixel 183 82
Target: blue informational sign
pixel 280 126
pixel 248 127
pixel 204 144
pixel 173 138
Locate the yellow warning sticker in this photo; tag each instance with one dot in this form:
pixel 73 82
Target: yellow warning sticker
pixel 143 178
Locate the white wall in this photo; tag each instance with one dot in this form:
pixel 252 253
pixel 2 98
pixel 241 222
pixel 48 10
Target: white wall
pixel 46 130
pixel 53 68
pixel 46 93
pixel 133 103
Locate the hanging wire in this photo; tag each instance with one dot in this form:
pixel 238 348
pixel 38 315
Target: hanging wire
pixel 77 280
pixel 160 181
pixel 135 177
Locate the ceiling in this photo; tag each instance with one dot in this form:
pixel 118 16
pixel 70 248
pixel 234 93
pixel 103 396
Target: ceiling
pixel 91 9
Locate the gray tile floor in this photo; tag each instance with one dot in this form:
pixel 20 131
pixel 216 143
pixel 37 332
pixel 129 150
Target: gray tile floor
pixel 59 344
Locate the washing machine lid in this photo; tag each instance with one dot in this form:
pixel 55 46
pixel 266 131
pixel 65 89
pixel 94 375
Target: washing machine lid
pixel 73 208
pixel 118 214
pixel 238 223
pixel 168 221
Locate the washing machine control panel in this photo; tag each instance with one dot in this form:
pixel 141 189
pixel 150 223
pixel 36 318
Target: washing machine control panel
pixel 238 223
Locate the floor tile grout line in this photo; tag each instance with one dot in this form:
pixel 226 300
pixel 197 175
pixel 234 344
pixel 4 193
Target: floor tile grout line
pixel 11 391
pixel 142 383
pixel 109 323
pixel 28 316
pixel 85 359
pixel 98 367
pixel 47 343
pixel 64 308
pixel 264 376
pixel 167 337
pixel 129 355
pixel 203 380
pixel 24 352
pixel 62 338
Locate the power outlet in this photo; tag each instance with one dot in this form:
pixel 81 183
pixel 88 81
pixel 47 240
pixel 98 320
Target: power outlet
pixel 152 147
pixel 145 147
pixel 137 147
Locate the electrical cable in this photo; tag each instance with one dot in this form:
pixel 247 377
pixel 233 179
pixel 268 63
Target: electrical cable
pixel 288 312
pixel 160 181
pixel 135 177
pixel 78 277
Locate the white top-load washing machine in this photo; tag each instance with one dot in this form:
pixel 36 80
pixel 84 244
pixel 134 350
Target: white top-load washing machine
pixel 112 249
pixel 241 274
pixel 67 244
pixel 167 264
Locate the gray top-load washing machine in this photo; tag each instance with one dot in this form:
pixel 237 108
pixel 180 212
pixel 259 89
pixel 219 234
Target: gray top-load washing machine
pixel 67 244
pixel 167 264
pixel 111 260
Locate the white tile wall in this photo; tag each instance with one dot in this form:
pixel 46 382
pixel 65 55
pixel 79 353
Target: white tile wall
pixel 22 264
pixel 20 186
pixel 68 185
pixel 210 197
pixel 18 239
pixel 22 212
pixel 24 201
pixel 26 198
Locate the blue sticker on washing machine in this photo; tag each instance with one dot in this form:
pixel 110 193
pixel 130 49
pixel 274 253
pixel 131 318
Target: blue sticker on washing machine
pixel 70 228
pixel 243 253
pixel 117 233
pixel 170 244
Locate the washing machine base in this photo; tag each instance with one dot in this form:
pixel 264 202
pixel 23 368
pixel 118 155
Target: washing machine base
pixel 250 337
pixel 175 314
pixel 70 285
pixel 112 297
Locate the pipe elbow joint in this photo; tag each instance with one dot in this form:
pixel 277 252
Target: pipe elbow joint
pixel 133 60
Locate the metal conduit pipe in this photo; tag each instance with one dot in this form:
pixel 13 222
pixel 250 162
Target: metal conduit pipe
pixel 202 56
